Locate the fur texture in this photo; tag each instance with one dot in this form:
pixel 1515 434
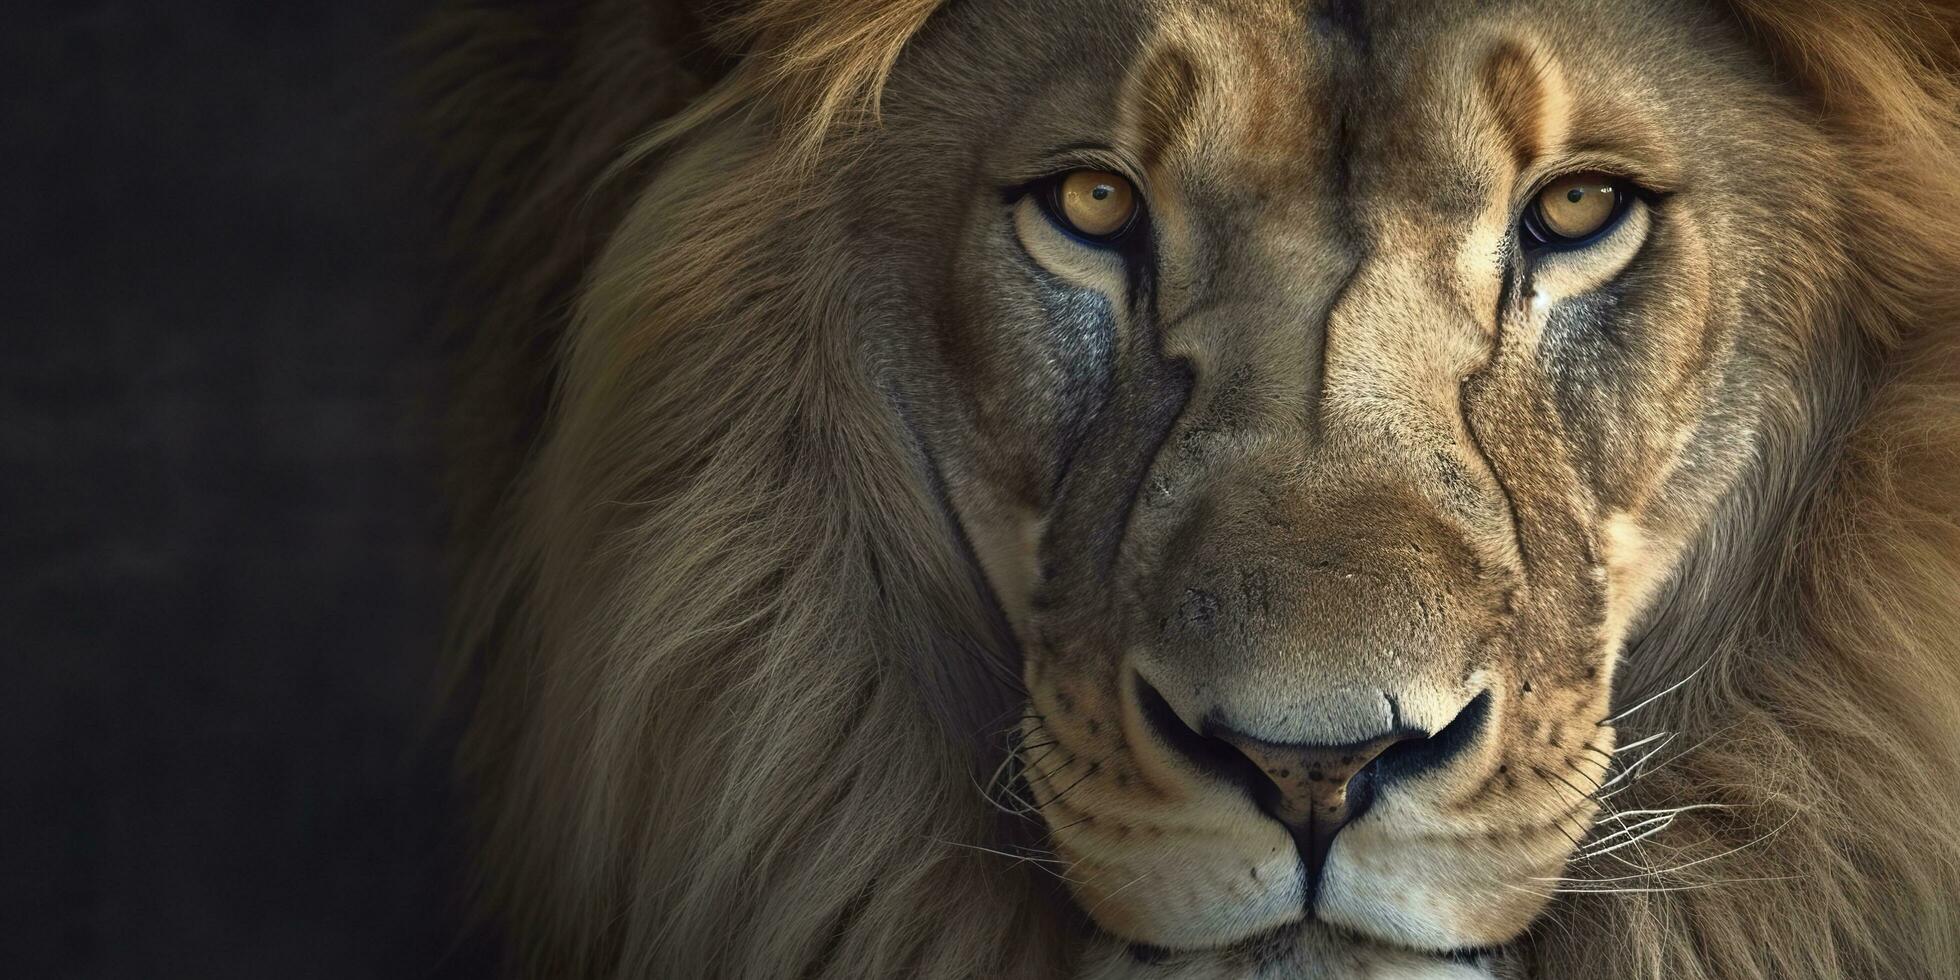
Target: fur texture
pixel 734 679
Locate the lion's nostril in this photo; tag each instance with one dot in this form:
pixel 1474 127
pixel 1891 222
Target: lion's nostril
pixel 1209 754
pixel 1417 756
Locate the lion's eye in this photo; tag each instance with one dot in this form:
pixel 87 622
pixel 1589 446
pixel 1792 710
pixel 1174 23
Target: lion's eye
pixel 1576 209
pixel 1095 204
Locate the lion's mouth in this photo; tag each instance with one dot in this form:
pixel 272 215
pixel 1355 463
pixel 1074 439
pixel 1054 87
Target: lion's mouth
pixel 1313 791
pixel 1192 839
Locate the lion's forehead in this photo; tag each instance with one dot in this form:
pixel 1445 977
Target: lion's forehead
pixel 1405 118
pixel 1406 107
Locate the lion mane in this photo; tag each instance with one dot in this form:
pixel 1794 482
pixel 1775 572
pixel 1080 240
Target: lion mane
pixel 733 685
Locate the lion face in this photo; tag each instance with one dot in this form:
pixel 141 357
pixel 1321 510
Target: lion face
pixel 1325 390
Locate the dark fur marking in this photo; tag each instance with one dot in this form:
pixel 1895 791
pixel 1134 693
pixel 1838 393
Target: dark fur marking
pixel 1346 19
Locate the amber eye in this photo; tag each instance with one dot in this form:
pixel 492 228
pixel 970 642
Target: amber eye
pixel 1576 208
pixel 1095 204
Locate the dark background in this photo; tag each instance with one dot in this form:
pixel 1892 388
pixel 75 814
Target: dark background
pixel 219 527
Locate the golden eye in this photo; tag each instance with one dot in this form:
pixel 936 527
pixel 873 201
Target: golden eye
pixel 1577 206
pixel 1095 203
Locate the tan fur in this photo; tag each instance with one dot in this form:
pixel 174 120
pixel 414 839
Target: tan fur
pixel 699 602
pixel 1530 103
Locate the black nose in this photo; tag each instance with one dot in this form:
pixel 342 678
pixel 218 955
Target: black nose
pixel 1315 790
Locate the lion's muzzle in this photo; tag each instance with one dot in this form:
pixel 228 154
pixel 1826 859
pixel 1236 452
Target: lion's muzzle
pixel 1316 789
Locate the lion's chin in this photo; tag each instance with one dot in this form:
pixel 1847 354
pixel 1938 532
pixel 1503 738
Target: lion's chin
pixel 1436 894
pixel 1304 949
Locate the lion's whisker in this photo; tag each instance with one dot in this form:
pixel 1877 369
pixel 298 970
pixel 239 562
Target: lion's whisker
pixel 1093 767
pixel 1640 769
pixel 1641 890
pixel 1669 811
pixel 1633 841
pixel 1119 888
pixel 1636 744
pixel 1676 869
pixel 1035 860
pixel 1022 806
pixel 1632 770
pixel 1588 777
pixel 1034 765
pixel 1073 823
pixel 1026 809
pixel 1637 831
pixel 1583 795
pixel 1670 689
pixel 1558 822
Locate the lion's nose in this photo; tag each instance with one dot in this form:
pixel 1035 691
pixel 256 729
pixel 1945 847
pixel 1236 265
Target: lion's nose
pixel 1315 790
pixel 1316 787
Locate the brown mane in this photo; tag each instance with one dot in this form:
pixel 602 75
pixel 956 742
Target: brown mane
pixel 736 679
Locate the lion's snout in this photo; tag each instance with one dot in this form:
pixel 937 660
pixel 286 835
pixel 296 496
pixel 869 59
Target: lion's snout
pixel 1315 789
pixel 1324 615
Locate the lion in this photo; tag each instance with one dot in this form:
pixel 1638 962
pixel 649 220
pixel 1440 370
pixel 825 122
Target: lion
pixel 1209 488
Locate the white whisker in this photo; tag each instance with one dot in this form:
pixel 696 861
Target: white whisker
pixel 1677 685
pixel 1668 811
pixel 1690 750
pixel 1651 889
pixel 1632 828
pixel 1634 745
pixel 1657 825
pixel 1632 769
pixel 1036 860
pixel 1685 865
